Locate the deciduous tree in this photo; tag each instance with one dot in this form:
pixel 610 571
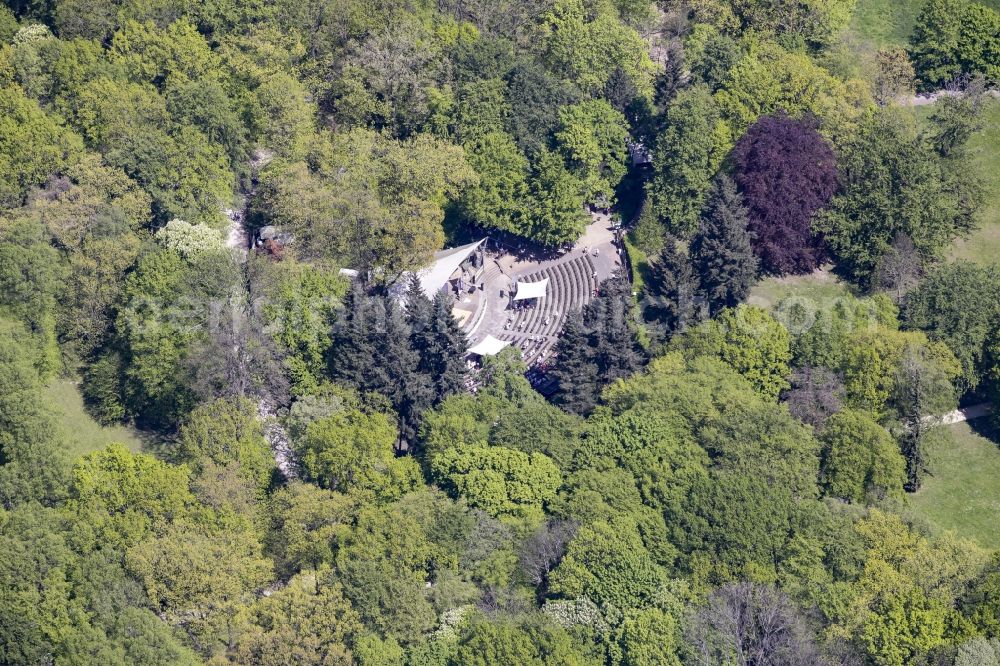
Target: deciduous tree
pixel 500 199
pixel 200 582
pixel 816 394
pixel 894 75
pixel 751 341
pixel 609 564
pixel 300 622
pixel 306 523
pixel 688 153
pixel 934 40
pixel 891 182
pixel 498 480
pixel 33 144
pixel 958 304
pixel 592 136
pixel 749 624
pixel 353 450
pixel 978 48
pixel 786 172
pixel 33 462
pixel 556 204
pixel 531 642
pixel 860 458
pixel 227 432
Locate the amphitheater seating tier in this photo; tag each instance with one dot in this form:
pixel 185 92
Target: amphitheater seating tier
pixel 571 286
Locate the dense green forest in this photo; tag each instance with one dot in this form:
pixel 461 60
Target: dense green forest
pixel 215 451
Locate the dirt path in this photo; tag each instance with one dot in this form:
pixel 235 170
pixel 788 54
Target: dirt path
pixel 965 414
pixel 924 99
pixel 276 436
pixel 238 240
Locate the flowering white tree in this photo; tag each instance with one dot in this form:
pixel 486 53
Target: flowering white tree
pixel 190 240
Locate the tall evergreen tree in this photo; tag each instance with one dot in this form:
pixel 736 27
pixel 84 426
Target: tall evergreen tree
pixel 386 335
pixel 609 316
pixel 397 370
pixel 413 356
pixel 352 351
pixel 419 316
pixel 673 77
pixel 721 253
pixel 418 311
pixel 445 362
pixel 670 300
pixel 575 368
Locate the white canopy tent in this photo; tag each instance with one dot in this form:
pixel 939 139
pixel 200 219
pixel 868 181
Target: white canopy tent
pixel 526 290
pixel 489 346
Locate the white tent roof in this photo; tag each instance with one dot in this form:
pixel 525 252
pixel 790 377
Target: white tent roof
pixel 489 346
pixel 446 262
pixel 526 290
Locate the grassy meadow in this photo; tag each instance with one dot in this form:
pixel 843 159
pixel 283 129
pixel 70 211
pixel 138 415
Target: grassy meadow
pixel 961 493
pixel 984 244
pixel 820 287
pixel 889 22
pixel 81 432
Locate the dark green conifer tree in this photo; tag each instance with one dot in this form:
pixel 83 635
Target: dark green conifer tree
pixel 575 368
pixel 444 361
pixel 397 370
pixel 418 311
pixel 721 254
pixel 352 352
pixel 673 76
pixel 672 294
pixel 609 316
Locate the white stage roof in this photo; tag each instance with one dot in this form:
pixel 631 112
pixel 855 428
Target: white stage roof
pixel 446 262
pixel 489 346
pixel 526 290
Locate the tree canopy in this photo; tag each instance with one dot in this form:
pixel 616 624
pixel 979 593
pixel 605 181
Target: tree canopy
pixel 235 430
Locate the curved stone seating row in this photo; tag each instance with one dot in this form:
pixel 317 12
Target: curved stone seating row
pixel 571 286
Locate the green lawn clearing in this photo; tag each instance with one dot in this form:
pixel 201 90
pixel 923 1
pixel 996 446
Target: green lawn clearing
pixel 984 244
pixel 875 25
pixel 962 492
pixel 890 22
pixel 82 433
pixel 885 22
pixel 821 287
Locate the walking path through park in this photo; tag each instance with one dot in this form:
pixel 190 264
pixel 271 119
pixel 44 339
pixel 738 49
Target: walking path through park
pixel 276 436
pixel 924 99
pixel 238 240
pixel 236 233
pixel 965 414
